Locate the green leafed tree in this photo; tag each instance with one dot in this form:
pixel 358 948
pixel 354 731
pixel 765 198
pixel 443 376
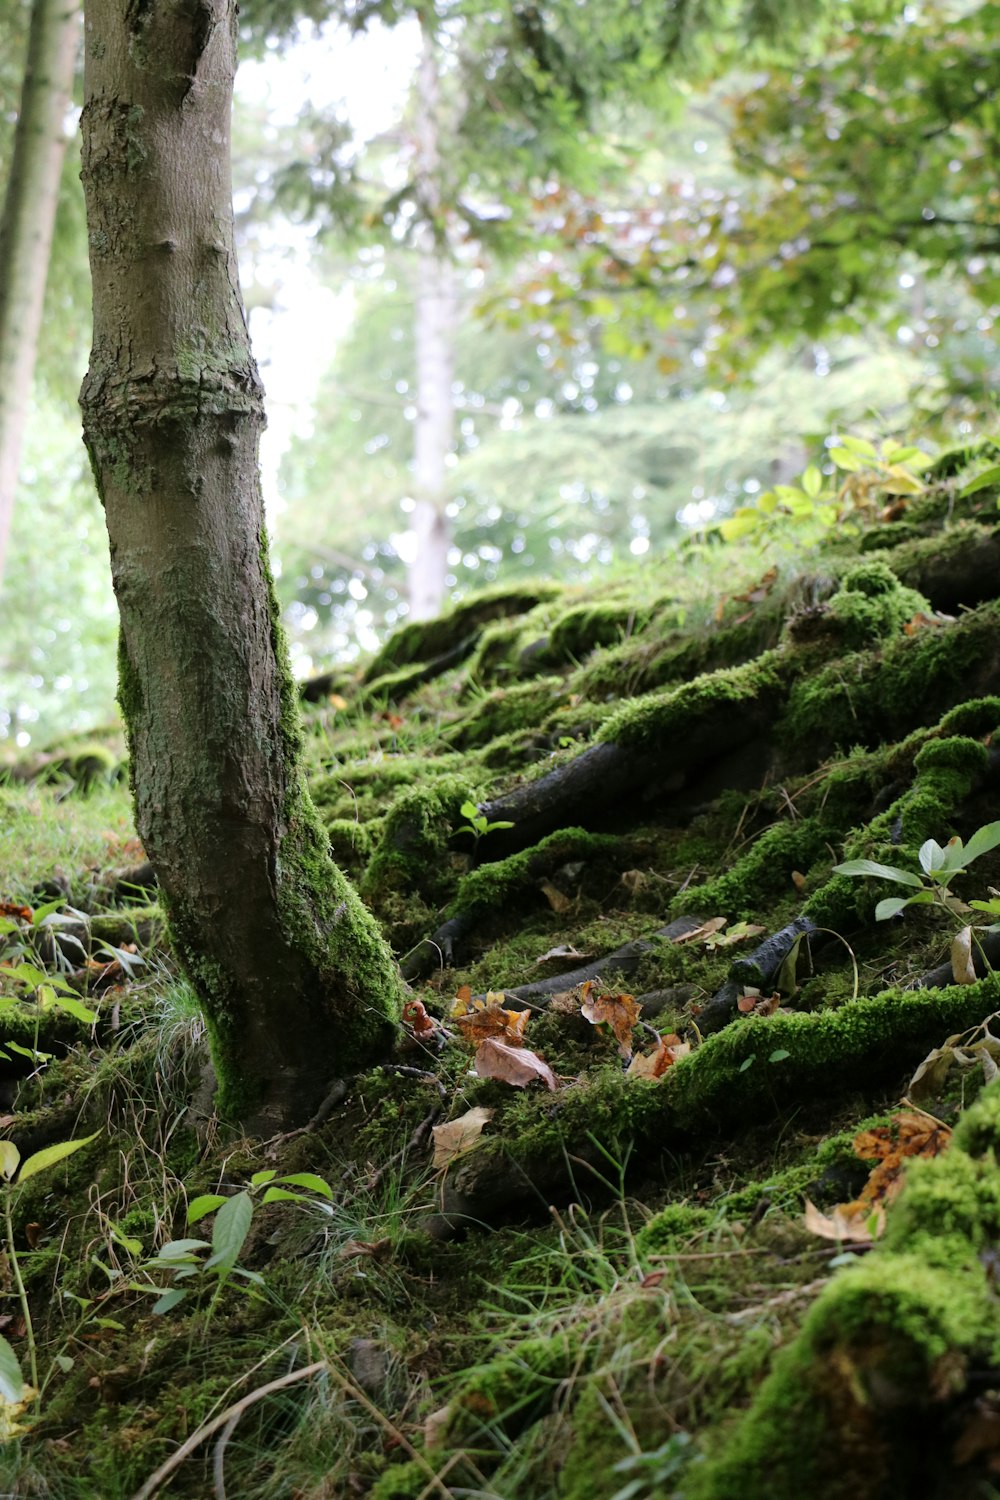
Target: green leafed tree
pixel 296 982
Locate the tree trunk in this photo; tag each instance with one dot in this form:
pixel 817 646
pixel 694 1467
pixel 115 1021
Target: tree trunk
pixel 296 982
pixel 29 215
pixel 436 317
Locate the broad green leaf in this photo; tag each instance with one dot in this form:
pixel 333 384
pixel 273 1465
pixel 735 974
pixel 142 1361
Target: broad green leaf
pixel 931 856
pixel 779 1054
pixel 991 907
pixel 111 1323
pixel 739 524
pixel 64 1363
pixel 9 1158
pixel 308 1180
pixel 232 1225
pixel 75 1008
pixel 812 481
pixel 41 912
pixel 281 1195
pixel 169 1300
pixel 982 841
pixel 859 445
pixel 899 482
pixel 490 827
pixel 29 1052
pixel 748 1062
pixel 174 1249
pixel 11 1379
pixel 981 482
pixel 49 1155
pixel 882 872
pixel 469 810
pixel 890 908
pixel 205 1203
pixel 259 1178
pixel 845 460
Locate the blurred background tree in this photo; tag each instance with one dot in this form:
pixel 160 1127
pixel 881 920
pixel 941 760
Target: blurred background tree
pixel 685 247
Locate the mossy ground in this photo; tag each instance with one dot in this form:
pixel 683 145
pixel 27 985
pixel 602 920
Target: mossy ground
pixel 613 1291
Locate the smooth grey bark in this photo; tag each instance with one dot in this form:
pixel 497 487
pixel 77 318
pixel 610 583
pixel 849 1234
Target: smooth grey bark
pixel 28 223
pixel 436 316
pixel 296 982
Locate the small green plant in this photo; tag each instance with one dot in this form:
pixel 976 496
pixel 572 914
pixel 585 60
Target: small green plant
pixel 808 510
pixel 477 823
pixel 939 866
pixel 186 1259
pixel 14 1390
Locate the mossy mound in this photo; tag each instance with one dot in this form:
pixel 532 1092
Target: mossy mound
pixel 615 811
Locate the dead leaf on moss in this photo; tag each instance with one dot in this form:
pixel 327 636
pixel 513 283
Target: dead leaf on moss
pixel 558 902
pixel 460 1135
pixel 855 1228
pixel 738 933
pixel 415 1016
pixel 479 1019
pixel 566 950
pixel 911 1133
pixel 518 1066
pixel 798 880
pixel 699 934
pixel 655 1064
pixel 753 1003
pixel 962 966
pixel 620 1012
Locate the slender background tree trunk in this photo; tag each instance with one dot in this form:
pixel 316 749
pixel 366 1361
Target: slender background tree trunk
pixel 296 982
pixel 26 228
pixel 436 326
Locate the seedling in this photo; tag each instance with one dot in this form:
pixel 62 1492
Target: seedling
pixel 14 1390
pixel 939 866
pixel 185 1259
pixel 477 823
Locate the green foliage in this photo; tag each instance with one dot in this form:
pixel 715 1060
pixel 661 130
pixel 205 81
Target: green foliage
pixel 939 867
pixel 477 824
pixel 186 1260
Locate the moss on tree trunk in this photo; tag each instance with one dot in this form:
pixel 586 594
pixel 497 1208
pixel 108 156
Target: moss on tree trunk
pixel 296 982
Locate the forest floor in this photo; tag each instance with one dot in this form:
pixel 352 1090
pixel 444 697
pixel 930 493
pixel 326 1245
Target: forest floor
pixel 681 1180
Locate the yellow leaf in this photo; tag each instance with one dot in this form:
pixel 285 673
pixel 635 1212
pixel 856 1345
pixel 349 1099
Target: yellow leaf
pixel 620 1012
pixel 460 1135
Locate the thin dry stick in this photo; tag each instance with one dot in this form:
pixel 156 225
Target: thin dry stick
pixel 197 1437
pixel 219 1462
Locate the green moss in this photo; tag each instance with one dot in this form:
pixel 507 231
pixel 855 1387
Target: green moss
pixel 422 640
pixel 871 605
pixel 413 852
pixel 491 886
pixel 507 710
pixel 763 871
pixel 892 1335
pixel 675 714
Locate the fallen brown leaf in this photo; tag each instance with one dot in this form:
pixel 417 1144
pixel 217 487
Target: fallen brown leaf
pixel 854 1228
pixel 478 1019
pixel 518 1066
pixel 962 966
pixel 555 897
pixel 620 1012
pixel 655 1064
pixel 459 1136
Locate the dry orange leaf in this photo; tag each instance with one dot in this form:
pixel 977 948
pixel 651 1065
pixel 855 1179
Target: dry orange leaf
pixel 459 1135
pixel 416 1017
pixel 655 1064
pixel 858 1227
pixel 479 1019
pixel 910 1134
pixel 620 1012
pixel 515 1065
pixel 15 910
